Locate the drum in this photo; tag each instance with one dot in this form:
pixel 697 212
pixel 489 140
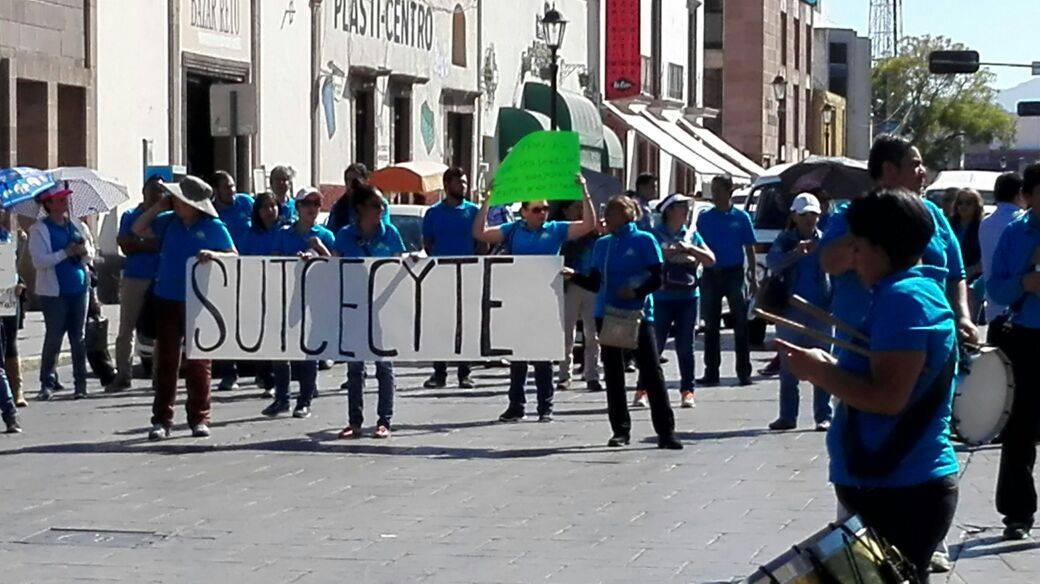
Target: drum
pixel 983 396
pixel 847 552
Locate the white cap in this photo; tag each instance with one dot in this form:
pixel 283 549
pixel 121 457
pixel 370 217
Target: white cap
pixel 307 192
pixel 672 199
pixel 806 203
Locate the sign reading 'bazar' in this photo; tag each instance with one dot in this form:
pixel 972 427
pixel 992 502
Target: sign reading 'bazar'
pixel 404 22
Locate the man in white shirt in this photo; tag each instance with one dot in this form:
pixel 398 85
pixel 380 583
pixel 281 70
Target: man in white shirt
pixel 1007 192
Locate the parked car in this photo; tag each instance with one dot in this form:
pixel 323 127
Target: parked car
pixel 982 181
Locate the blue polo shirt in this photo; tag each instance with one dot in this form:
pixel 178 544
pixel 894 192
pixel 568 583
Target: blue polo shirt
pixel 1012 259
pixel 258 242
pixel 71 272
pixel 142 265
pixel 289 241
pixel 451 228
pixel 623 258
pixel 181 243
pixel 385 243
pixel 238 216
pixel 287 214
pixel 726 233
pixel 908 312
pixel 548 240
pixel 665 237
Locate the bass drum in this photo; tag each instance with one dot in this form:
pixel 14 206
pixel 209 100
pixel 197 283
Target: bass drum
pixel 982 400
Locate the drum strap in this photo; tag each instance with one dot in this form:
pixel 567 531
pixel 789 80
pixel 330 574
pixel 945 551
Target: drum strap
pixel 908 430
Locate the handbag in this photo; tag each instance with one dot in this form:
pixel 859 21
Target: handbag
pixel 620 326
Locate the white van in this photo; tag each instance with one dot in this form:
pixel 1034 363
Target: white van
pixel 982 181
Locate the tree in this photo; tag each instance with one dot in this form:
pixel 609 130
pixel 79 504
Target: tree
pixel 936 110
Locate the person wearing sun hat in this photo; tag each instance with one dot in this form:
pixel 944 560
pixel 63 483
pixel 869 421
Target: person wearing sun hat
pixel 60 248
pixel 195 231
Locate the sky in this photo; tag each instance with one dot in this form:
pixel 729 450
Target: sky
pixel 1000 30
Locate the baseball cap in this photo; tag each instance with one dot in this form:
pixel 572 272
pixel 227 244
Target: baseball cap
pixel 672 199
pixel 806 203
pixel 307 193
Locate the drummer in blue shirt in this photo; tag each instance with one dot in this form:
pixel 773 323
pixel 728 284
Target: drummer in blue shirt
pixel 448 231
pixel 533 235
pixel 235 210
pixel 891 458
pixel 368 237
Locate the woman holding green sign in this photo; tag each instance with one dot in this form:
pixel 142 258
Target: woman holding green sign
pixel 533 234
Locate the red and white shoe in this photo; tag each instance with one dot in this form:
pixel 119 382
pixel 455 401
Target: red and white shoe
pixel 350 433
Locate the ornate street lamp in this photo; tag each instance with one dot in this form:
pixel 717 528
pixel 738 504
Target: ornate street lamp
pixel 553 28
pixel 779 85
pixel 828 121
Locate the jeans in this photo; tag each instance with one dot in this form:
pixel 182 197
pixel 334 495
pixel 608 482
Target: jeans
pixel 132 294
pixel 1016 492
pixel 579 304
pixel 7 406
pixel 682 314
pixel 913 519
pixel 543 375
pixel 789 393
pixel 306 373
pixel 167 363
pixel 355 392
pixel 64 315
pixel 651 380
pixel 440 370
pixel 716 284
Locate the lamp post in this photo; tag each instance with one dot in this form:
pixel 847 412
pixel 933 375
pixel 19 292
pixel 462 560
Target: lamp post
pixel 779 85
pixel 553 27
pixel 828 120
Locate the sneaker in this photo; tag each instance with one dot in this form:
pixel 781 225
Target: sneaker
pixel 781 424
pixel 823 426
pixel 345 385
pixel 228 385
pixel 158 432
pixel 45 394
pixel 1017 532
pixel 79 394
pixel 301 412
pixel 435 382
pixel 200 431
pixel 618 440
pixel 640 400
pixel 546 417
pixel 315 394
pixel 267 393
pixel 58 386
pixel 708 381
pixel 276 407
pixel 594 385
pixel 381 432
pixel 13 427
pixel 771 369
pixel 669 442
pixel 940 563
pixel 350 433
pixel 563 386
pixel 687 400
pixel 513 414
pixel 120 384
pixel 466 383
pixel 630 367
pixel 325 365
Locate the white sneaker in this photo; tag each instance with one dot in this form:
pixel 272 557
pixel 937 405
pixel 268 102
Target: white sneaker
pixel 640 400
pixel 158 432
pixel 687 400
pixel 200 431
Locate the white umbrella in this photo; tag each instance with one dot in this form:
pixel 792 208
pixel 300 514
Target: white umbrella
pixel 92 193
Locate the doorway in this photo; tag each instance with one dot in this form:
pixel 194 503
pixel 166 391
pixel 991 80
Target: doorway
pixel 458 148
pixel 206 154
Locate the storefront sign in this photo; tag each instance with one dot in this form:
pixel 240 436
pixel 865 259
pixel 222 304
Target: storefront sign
pixel 403 22
pixel 217 28
pixel 624 61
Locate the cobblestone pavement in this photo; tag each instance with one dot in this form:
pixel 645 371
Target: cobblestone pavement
pixel 452 497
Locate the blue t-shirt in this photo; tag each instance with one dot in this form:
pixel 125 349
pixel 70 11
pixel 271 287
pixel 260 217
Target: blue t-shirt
pixel 181 243
pixel 623 259
pixel 238 216
pixel 258 242
pixel 665 237
pixel 521 240
pixel 451 228
pixel 385 243
pixel 908 312
pixel 726 233
pixel 289 241
pixel 287 214
pixel 71 272
pixel 1012 259
pixel 143 265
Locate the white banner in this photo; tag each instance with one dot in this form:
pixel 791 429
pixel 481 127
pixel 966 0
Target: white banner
pixel 8 279
pixel 394 309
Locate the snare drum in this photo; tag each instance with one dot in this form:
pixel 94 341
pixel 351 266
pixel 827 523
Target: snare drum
pixel 982 400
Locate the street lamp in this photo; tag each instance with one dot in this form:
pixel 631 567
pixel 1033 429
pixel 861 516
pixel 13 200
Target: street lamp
pixel 828 119
pixel 553 29
pixel 779 85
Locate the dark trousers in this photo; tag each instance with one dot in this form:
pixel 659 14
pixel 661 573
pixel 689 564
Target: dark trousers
pixel 543 382
pixel 717 284
pixel 913 519
pixel 440 370
pixel 1016 493
pixel 168 341
pixel 651 380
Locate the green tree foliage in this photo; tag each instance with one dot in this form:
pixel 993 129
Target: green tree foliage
pixel 935 109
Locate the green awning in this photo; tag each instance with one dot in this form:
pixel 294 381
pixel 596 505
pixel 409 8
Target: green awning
pixel 613 151
pixel 514 124
pixel 575 113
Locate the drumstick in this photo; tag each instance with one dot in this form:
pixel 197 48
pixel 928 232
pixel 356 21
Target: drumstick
pixel 819 336
pixel 826 317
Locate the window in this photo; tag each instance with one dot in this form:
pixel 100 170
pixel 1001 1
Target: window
pixel 648 74
pixel 675 81
pixel 797 98
pixel 647 156
pixel 458 37
pixel 713 88
pixel 685 179
pixel 783 38
pixel 808 47
pixel 402 130
pixel 713 24
pixel 839 54
pixel 839 84
pixel 797 44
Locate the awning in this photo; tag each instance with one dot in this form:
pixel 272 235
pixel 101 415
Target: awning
pixel 667 143
pixel 722 147
pixel 515 123
pixel 613 151
pixel 683 137
pixel 575 113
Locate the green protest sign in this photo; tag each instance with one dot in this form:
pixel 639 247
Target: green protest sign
pixel 542 166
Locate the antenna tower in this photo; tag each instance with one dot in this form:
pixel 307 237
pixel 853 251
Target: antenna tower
pixel 886 27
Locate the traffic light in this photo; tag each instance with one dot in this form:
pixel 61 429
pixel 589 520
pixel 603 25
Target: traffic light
pixel 952 62
pixel 1029 109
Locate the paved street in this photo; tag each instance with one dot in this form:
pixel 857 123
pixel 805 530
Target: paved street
pixel 452 497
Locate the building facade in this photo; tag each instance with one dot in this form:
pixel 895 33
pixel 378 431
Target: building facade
pixel 842 68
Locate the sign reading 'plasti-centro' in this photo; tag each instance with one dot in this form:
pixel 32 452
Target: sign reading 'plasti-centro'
pixel 394 309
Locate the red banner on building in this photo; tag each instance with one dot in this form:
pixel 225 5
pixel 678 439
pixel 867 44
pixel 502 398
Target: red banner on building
pixel 624 61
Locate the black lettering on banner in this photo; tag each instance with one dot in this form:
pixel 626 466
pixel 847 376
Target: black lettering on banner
pixel 285 299
pixel 429 28
pixel 371 301
pixel 303 308
pixel 417 312
pixel 486 305
pixel 345 262
pixel 221 325
pixel 238 308
pixel 458 263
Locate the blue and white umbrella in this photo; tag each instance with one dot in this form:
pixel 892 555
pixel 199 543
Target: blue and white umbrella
pixel 22 183
pixel 92 193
